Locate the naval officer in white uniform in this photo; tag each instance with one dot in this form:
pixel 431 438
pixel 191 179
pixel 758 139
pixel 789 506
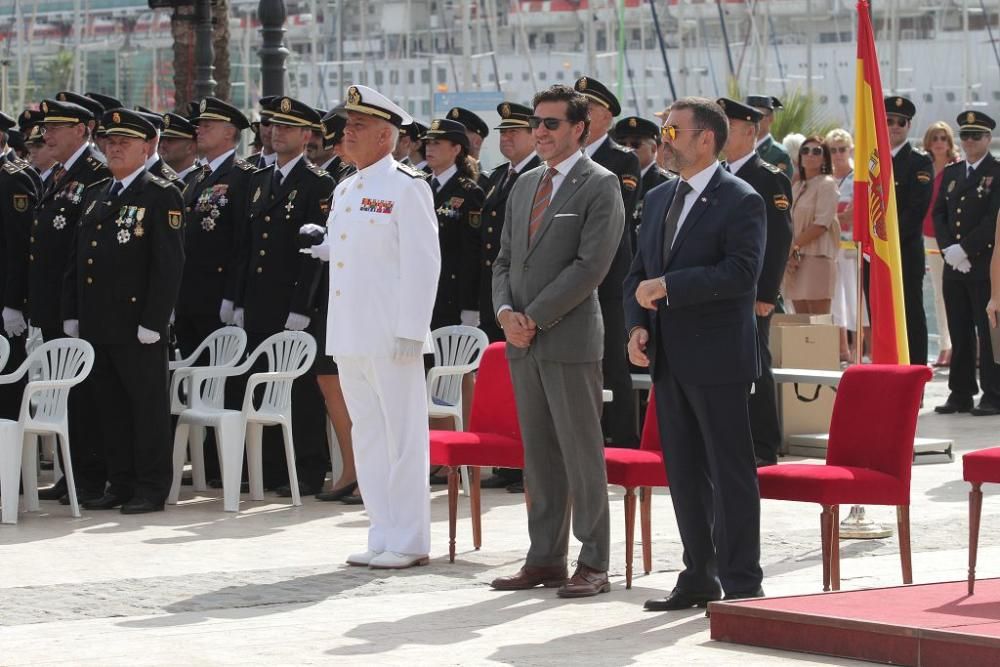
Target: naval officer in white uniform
pixel 384 259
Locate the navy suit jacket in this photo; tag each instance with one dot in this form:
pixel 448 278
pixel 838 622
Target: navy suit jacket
pixel 706 327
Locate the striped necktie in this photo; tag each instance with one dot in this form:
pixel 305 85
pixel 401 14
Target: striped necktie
pixel 542 198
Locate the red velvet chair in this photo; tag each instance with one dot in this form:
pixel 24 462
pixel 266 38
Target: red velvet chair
pixel 493 438
pixel 978 467
pixel 868 459
pixel 643 469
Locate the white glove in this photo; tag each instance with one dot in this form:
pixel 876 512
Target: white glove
pixel 954 255
pixel 296 322
pixel 470 318
pixel 13 322
pixel 407 349
pixel 238 317
pixel 173 317
pixel 71 328
pixel 226 312
pixel 146 336
pixel 320 252
pixel 964 266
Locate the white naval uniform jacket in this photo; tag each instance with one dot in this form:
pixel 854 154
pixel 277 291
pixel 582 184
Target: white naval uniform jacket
pixel 384 261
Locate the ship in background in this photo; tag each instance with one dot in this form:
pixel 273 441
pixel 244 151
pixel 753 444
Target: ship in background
pixel 429 54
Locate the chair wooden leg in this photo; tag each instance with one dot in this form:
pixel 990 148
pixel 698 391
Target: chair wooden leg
pixel 475 506
pixel 903 525
pixel 452 510
pixel 975 512
pixel 629 534
pixel 826 530
pixel 835 549
pixel 645 510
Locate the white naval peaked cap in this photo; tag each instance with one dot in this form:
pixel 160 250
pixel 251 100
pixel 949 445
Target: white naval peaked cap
pixel 369 101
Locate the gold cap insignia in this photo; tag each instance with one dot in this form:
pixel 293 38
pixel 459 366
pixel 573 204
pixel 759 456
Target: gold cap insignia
pixel 435 124
pixel 45 107
pixel 61 97
pixel 204 106
pixel 970 117
pixel 166 121
pixel 454 114
pixel 582 84
pixel 505 111
pixel 286 105
pixel 116 117
pixel 632 122
pixel 899 101
pixel 353 96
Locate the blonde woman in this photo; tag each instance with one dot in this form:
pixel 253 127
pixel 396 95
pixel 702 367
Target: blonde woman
pixel 939 143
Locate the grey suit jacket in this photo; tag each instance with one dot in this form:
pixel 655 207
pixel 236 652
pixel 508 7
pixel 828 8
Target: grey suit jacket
pixel 554 279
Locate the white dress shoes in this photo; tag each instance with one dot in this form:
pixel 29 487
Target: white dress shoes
pixel 363 559
pixel 390 560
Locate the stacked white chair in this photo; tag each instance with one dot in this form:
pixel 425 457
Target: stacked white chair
pixel 289 354
pixel 58 366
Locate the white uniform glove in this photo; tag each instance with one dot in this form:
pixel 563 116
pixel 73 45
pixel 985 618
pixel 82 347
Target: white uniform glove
pixel 71 328
pixel 296 322
pixel 954 255
pixel 406 349
pixel 964 266
pixel 226 312
pixel 238 317
pixel 314 236
pixel 13 322
pixel 320 252
pixel 470 318
pixel 146 336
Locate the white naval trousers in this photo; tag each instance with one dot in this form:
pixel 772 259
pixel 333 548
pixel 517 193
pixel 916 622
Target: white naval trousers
pixel 387 401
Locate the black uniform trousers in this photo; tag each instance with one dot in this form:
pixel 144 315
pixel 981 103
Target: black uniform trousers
pixel 134 411
pixel 90 468
pixel 764 424
pixel 618 416
pixel 914 264
pixel 965 305
pixel 708 452
pixel 308 427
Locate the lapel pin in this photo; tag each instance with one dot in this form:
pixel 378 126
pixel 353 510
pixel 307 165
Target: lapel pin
pixel 703 200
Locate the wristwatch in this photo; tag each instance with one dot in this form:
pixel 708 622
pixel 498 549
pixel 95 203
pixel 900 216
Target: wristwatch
pixel 663 283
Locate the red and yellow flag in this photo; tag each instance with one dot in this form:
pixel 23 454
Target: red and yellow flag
pixel 876 225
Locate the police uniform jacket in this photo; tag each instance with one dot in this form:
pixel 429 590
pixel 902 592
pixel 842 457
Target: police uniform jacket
pixel 278 279
pixel 458 204
pixel 624 164
pixel 773 152
pixel 166 172
pixel 773 186
pixel 17 200
pixel 10 157
pixel 126 263
pixel 215 208
pixel 965 212
pixel 654 176
pixel 913 172
pixel 56 216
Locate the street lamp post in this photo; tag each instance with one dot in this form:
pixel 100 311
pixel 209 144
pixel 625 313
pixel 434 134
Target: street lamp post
pixel 204 53
pixel 272 14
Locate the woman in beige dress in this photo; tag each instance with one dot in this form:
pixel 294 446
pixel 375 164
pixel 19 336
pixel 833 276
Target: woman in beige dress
pixel 811 273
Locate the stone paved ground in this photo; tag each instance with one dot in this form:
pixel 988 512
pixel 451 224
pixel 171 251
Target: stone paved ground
pixel 197 586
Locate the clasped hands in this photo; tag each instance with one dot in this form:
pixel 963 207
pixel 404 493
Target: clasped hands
pixel 518 328
pixel 957 258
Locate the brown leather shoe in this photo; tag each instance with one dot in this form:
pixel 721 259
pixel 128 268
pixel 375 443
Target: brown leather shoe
pixel 530 576
pixel 584 583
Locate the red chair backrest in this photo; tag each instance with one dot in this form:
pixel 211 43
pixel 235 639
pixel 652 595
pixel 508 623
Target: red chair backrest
pixel 875 418
pixel 493 406
pixel 650 440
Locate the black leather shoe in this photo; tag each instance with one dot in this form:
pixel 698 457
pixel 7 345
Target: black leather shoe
pixel 141 506
pixel 515 487
pixel 285 490
pixel 82 497
pixel 352 499
pixel 108 501
pixel 985 410
pixel 759 593
pixel 494 482
pixel 337 494
pixel 54 492
pixel 679 599
pixel 953 405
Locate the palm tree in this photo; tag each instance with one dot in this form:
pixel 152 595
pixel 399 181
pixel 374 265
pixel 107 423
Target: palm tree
pixel 183 32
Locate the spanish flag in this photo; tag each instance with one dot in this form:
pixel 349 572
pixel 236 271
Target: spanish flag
pixel 876 226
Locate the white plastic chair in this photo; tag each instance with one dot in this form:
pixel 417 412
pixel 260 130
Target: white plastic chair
pixel 61 364
pixel 289 355
pixel 225 347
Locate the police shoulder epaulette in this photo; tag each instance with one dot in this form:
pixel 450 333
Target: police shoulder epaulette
pixel 100 181
pixel 467 183
pixel 410 171
pixel 244 165
pixel 771 168
pixel 12 167
pixel 317 170
pixel 94 163
pixel 162 182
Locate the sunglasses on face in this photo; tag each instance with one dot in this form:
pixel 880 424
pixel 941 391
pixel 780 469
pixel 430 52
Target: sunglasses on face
pixel 669 132
pixel 534 122
pixel 837 149
pixel 971 135
pixel 940 137
pixel 811 150
pixel 634 144
pixel 898 122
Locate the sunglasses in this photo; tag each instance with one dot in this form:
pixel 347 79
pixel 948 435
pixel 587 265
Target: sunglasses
pixel 811 150
pixel 971 135
pixel 837 149
pixel 669 132
pixel 898 122
pixel 634 144
pixel 48 127
pixel 534 122
pixel 940 137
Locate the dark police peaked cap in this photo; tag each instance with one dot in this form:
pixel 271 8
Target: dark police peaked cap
pixel 900 106
pixel 415 130
pixel 291 112
pixel 513 115
pixel 126 123
pixel 633 126
pixel 155 119
pixel 596 91
pixel 333 128
pixel 28 119
pixel 105 101
pixel 212 108
pixel 176 126
pixel 6 122
pixel 54 111
pixel 93 106
pixel 471 121
pixel 976 120
pixel 451 130
pixel 739 111
pixel 763 102
pixel 265 107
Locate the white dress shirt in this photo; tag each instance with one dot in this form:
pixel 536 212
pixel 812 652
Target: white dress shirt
pixel 698 183
pixel 127 181
pixel 445 175
pixel 594 145
pixel 735 165
pixel 217 162
pixel 562 169
pixel 73 158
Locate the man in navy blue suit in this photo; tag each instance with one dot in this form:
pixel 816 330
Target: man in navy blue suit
pixel 690 312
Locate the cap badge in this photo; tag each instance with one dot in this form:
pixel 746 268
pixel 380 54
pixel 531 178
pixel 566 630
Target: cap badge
pixel 45 107
pixel 286 105
pixel 632 122
pixel 61 97
pixel 116 117
pixel 899 101
pixel 505 111
pixel 454 114
pixel 582 84
pixel 204 106
pixel 436 124
pixel 970 117
pixel 166 121
pixel 353 96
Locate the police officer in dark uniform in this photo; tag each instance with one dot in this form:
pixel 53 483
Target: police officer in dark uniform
pixel 769 149
pixel 280 284
pixel 913 172
pixel 179 148
pixel 965 215
pixel 775 189
pixel 458 201
pixel 265 156
pixel 121 283
pixel 618 419
pixel 476 130
pixel 643 137
pixel 154 163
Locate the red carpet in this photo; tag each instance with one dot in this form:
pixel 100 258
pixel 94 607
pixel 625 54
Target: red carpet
pixel 923 625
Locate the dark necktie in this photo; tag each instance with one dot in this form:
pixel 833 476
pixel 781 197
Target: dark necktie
pixel 968 171
pixel 276 179
pixel 508 182
pixel 435 185
pixel 673 217
pixel 115 190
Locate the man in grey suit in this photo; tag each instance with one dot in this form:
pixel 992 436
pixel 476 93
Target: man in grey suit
pixel 563 224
